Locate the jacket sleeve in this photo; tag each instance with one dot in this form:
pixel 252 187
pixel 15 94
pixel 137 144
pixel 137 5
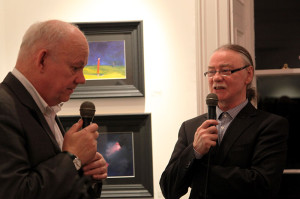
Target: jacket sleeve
pixel 177 176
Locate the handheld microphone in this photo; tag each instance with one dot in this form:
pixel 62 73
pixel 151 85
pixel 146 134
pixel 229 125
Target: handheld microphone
pixel 87 112
pixel 212 102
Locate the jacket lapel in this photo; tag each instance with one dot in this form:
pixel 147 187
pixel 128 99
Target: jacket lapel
pixel 243 120
pixel 17 88
pixel 62 130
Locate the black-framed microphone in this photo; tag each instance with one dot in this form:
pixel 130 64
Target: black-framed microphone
pixel 212 102
pixel 87 112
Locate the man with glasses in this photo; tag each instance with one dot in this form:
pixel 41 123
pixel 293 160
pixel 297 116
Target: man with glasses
pixel 242 153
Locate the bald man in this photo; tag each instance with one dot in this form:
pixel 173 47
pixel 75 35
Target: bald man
pixel 38 158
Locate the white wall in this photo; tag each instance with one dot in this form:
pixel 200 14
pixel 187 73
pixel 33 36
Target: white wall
pixel 179 37
pixel 169 58
pixel 2 41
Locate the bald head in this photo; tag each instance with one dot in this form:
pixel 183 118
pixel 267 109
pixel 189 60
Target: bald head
pixel 47 34
pixel 52 57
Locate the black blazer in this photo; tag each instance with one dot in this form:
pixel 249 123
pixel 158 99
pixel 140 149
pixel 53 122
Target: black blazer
pixel 31 162
pixel 247 164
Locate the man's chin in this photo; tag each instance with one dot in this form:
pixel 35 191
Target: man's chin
pixel 65 98
pixel 221 95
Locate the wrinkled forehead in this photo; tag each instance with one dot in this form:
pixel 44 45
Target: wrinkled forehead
pixel 226 58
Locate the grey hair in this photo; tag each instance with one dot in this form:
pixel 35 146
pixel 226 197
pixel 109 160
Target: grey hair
pixel 49 33
pixel 250 93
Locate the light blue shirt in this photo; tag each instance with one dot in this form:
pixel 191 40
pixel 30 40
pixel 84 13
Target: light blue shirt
pixel 225 118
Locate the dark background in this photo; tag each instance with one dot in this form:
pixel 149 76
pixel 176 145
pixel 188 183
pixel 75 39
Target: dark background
pixel 277 42
pixel 277 33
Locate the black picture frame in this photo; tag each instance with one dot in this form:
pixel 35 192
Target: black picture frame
pixel 133 85
pixel 141 185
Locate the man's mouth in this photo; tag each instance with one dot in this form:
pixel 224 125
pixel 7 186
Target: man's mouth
pixel 219 87
pixel 71 89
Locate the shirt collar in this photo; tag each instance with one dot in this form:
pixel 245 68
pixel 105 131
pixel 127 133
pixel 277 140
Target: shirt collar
pixel 43 106
pixel 234 111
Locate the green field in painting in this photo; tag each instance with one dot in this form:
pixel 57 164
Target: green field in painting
pixel 106 72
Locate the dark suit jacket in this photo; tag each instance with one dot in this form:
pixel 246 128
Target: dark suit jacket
pixel 31 163
pixel 247 164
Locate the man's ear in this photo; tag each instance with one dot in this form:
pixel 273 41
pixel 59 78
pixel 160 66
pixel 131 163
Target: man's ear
pixel 41 56
pixel 250 74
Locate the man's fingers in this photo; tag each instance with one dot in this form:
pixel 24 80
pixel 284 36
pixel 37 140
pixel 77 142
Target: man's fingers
pixel 92 127
pixel 76 127
pixel 209 123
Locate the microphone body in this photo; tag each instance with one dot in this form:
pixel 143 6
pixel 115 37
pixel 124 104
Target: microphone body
pixel 212 102
pixel 212 115
pixel 87 112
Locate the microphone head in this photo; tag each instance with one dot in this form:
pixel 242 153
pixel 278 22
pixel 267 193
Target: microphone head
pixel 87 109
pixel 212 99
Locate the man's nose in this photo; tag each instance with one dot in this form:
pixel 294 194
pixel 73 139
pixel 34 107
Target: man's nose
pixel 217 76
pixel 80 79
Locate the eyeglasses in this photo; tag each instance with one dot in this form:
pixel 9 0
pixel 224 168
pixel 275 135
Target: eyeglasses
pixel 224 72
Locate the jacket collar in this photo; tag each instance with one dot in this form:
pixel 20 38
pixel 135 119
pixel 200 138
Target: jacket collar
pixel 20 92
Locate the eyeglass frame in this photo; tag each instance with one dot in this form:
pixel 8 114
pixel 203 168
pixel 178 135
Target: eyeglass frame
pixel 226 70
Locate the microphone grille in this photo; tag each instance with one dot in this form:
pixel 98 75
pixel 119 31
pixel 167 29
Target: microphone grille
pixel 87 109
pixel 212 99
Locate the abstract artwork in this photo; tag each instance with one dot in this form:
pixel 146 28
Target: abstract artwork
pixel 117 150
pixel 115 65
pixel 106 60
pixel 126 144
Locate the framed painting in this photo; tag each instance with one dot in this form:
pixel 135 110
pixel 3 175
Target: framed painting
pixel 115 65
pixel 125 143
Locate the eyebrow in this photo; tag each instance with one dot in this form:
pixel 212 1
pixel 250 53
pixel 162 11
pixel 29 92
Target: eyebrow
pixel 221 66
pixel 78 64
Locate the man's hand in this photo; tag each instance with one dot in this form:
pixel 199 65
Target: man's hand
pixel 205 136
pixel 97 168
pixel 82 143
